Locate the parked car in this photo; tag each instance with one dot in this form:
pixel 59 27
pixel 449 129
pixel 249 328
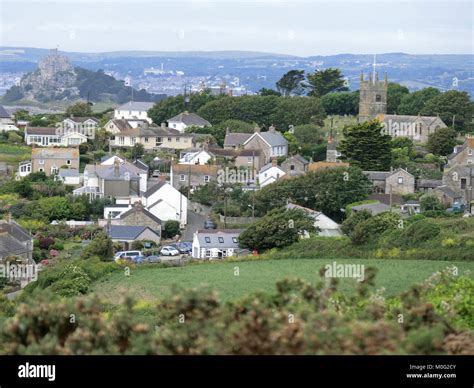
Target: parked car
pixel 169 251
pixel 152 259
pixel 185 247
pixel 127 255
pixel 209 224
pixel 156 174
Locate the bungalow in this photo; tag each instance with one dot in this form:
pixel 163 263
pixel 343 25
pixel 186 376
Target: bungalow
pixel 127 235
pixel 215 243
pixel 187 119
pixel 270 173
pixel 48 136
pixel 374 208
pixel 324 225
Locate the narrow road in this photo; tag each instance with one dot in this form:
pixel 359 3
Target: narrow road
pixel 195 222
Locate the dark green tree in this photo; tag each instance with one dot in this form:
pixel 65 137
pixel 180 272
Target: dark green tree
pixel 342 103
pixel 268 92
pixel 79 109
pixel 367 146
pixel 413 103
pixel 291 82
pixel 395 93
pixel 442 141
pixel 325 81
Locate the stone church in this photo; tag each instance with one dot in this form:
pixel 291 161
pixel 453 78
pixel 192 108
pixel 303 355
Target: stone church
pixel 373 105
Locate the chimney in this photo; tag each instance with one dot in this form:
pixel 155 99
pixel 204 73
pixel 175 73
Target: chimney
pixel 271 129
pixel 116 167
pixel 9 217
pixel 163 125
pixel 256 129
pixel 274 162
pixel 227 131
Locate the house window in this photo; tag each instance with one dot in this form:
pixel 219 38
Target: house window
pixel 400 180
pixel 208 240
pixel 221 240
pixel 68 162
pixel 146 140
pixel 121 140
pixel 249 160
pixel 206 178
pixel 133 140
pixel 169 139
pixel 208 253
pixel 463 183
pixel 234 240
pixel 378 98
pixel 292 167
pixel 182 177
pixel 54 170
pixel 41 161
pixel 177 139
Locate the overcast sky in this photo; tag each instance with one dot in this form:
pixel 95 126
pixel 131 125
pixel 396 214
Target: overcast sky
pixel 288 27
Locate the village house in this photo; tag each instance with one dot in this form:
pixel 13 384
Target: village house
pixel 14 240
pixel 215 243
pixel 127 235
pixel 325 226
pixel 152 138
pixel 49 137
pixel 448 196
pixel 120 179
pixel 195 156
pixel 460 179
pixel 332 154
pixel 134 110
pixel 50 161
pixel 115 126
pixel 161 200
pixel 398 181
pixel 463 154
pixel 270 173
pixel 240 158
pixel 191 176
pixel 427 185
pixel 69 177
pixel 295 165
pixel 185 120
pixel 272 143
pixel 235 140
pixel 86 124
pixel 6 122
pixel 133 215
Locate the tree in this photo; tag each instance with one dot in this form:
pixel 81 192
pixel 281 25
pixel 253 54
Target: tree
pixel 322 82
pixel 277 229
pixel 218 131
pixel 79 109
pixel 297 111
pixel 367 146
pixel 449 105
pixel 373 227
pixel 171 229
pixel 327 190
pixel 268 92
pixel 101 246
pixel 430 202
pixel 291 82
pixel 353 220
pixel 395 93
pixel 341 103
pixel 442 141
pixel 413 103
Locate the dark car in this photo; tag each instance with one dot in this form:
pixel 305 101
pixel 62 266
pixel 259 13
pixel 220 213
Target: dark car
pixel 209 224
pixel 152 259
pixel 185 247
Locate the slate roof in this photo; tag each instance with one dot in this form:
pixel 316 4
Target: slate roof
pixel 377 175
pixel 236 139
pixel 268 166
pixel 107 172
pixel 3 113
pixel 448 192
pixel 136 105
pixel 190 119
pixel 374 208
pixel 214 234
pixel 203 169
pixel 121 124
pixel 15 230
pixel 81 119
pixel 429 183
pixel 274 139
pixel 141 165
pixel 299 158
pixel 126 232
pixel 55 153
pixel 69 172
pixel 41 131
pixel 427 120
pixel 10 246
pixel 152 190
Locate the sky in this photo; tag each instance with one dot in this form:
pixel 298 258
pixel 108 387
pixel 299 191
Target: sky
pixel 298 27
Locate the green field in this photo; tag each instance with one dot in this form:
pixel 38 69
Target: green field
pixel 14 154
pixel 151 282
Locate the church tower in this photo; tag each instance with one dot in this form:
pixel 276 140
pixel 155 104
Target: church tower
pixel 373 96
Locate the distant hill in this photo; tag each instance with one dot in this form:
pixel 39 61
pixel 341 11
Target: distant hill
pixel 56 79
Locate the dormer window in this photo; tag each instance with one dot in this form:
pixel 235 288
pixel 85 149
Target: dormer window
pixel 208 240
pixel 221 240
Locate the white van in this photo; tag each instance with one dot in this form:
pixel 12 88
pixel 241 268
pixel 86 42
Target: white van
pixel 123 255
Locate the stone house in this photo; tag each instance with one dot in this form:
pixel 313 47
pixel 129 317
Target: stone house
pixel 400 182
pixel 460 179
pixel 51 160
pixel 272 143
pixel 295 165
pixel 463 154
pixel 127 235
pixel 192 176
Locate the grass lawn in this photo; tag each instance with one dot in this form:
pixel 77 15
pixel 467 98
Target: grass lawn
pixel 149 282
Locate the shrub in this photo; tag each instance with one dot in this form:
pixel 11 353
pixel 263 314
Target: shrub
pixel 419 232
pixel 372 228
pixel 100 246
pixel 171 229
pixel 45 242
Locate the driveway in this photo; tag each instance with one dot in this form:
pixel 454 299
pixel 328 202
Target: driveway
pixel 195 222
